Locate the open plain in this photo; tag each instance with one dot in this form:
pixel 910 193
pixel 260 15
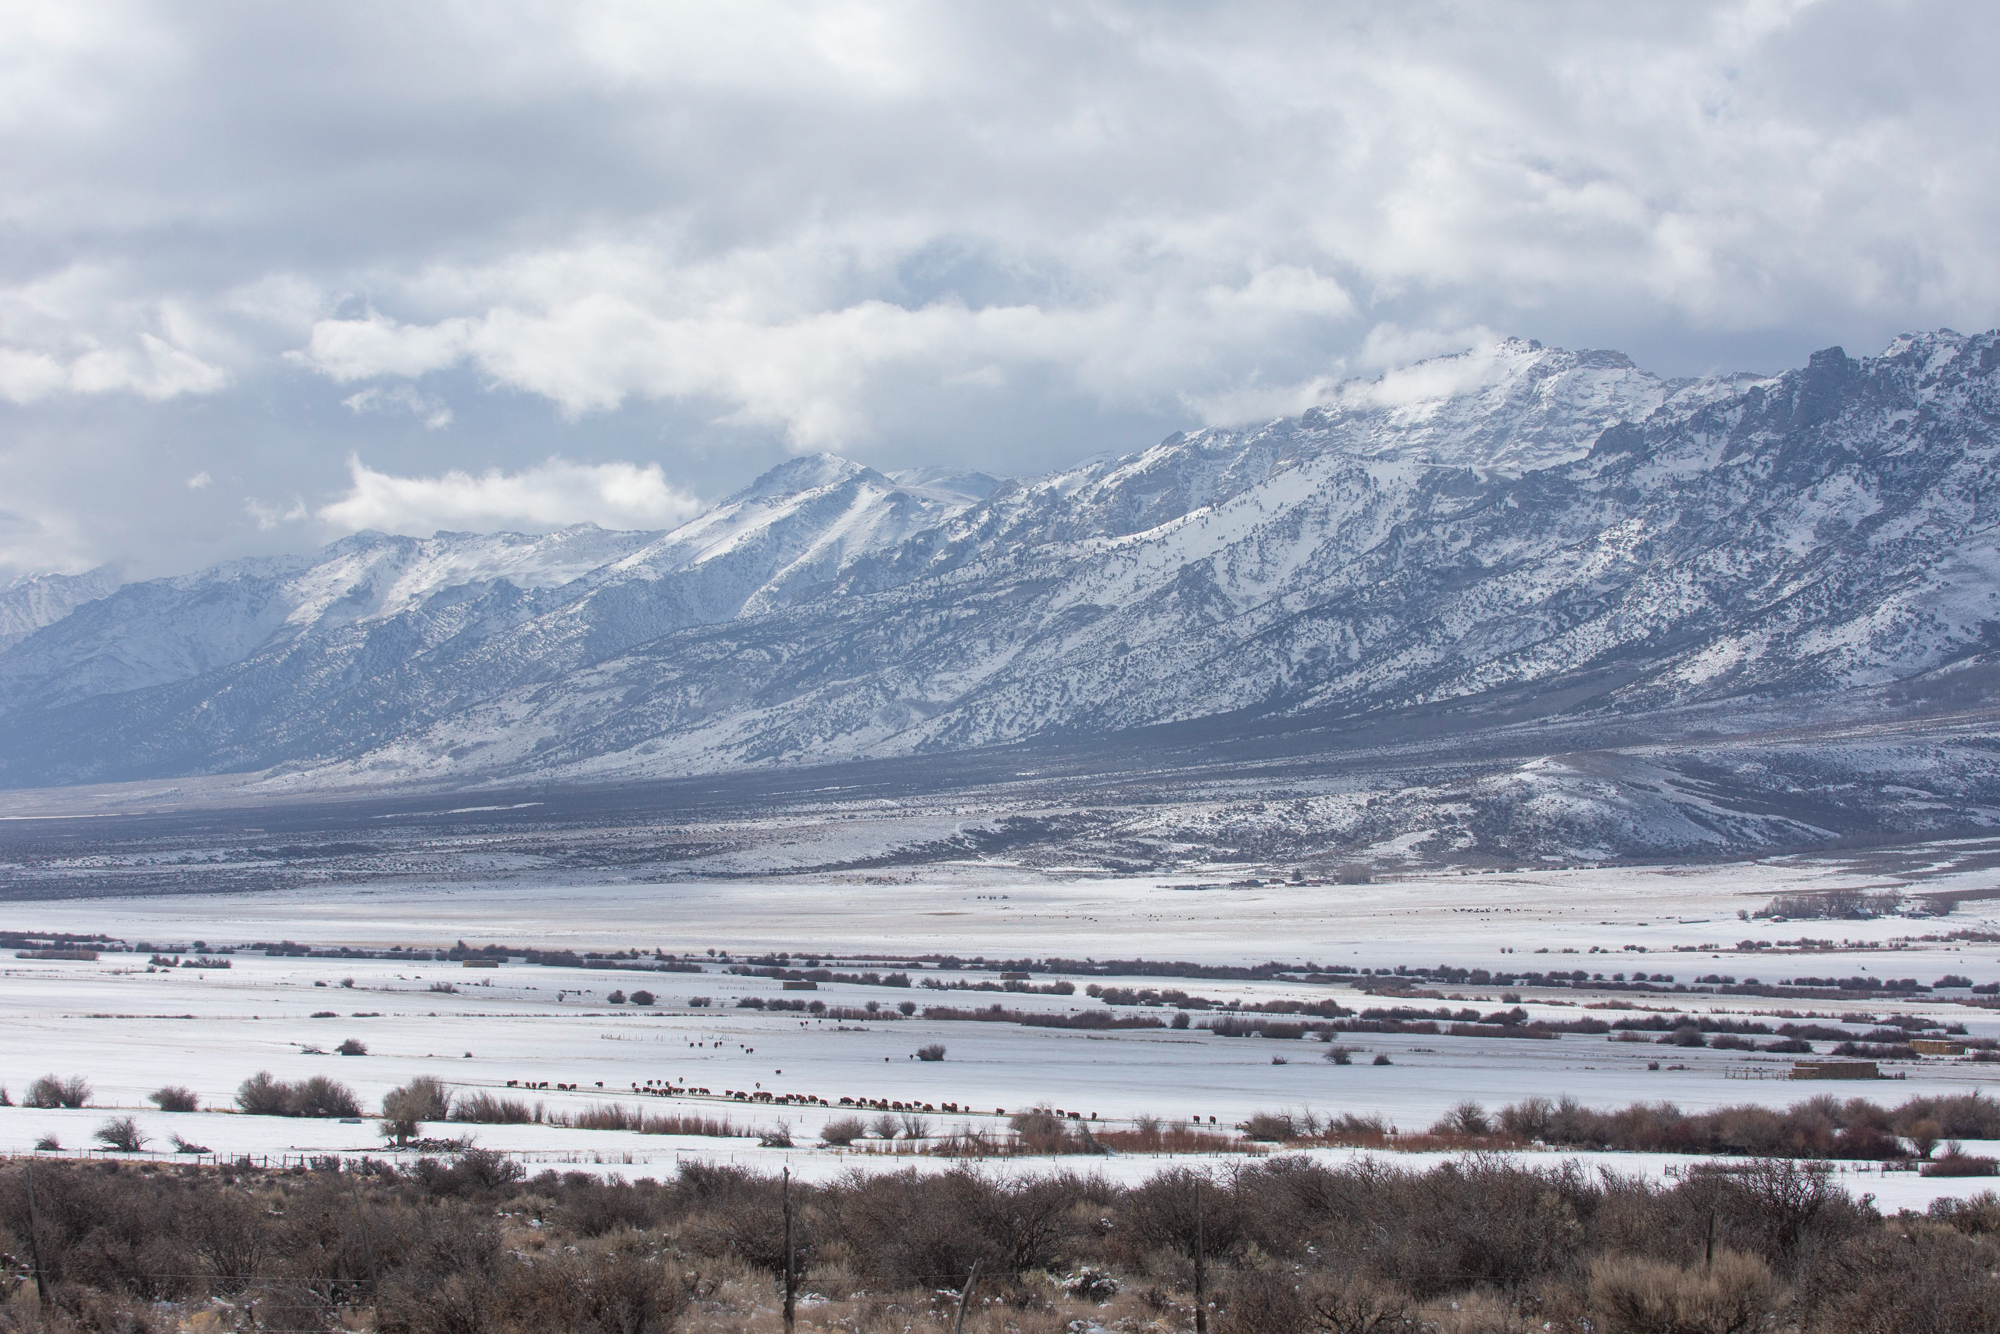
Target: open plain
pixel 384 967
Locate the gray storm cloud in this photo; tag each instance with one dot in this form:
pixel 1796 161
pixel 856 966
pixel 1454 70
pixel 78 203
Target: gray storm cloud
pixel 518 265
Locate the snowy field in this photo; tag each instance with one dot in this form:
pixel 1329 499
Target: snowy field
pixel 129 1030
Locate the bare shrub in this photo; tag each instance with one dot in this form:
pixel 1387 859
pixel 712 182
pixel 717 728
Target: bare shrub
pixel 473 1172
pixel 174 1098
pixel 615 1116
pixel 53 1091
pixel 642 998
pixel 778 1136
pixel 1465 1118
pixel 1529 1118
pixel 121 1133
pixel 1340 1055
pixel 843 1131
pixel 1042 1131
pixel 1270 1127
pixel 352 1047
pixel 1260 1302
pixel 490 1109
pixel 1851 904
pixel 398 1129
pixel 1961 1164
pixel 1634 1295
pixel 1924 1136
pixel 1359 1306
pixel 1154 1136
pixel 405 1109
pixel 316 1095
pixel 1976 1215
pixel 601 1287
pixel 914 1126
pixel 1922 1279
pixel 932 1051
pixel 1160 1215
pixel 886 1126
pixel 263 1094
pixel 428 1097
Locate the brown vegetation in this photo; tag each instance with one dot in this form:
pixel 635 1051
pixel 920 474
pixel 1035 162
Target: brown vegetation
pixel 468 1243
pixel 1822 1127
pixel 52 1091
pixel 174 1098
pixel 315 1095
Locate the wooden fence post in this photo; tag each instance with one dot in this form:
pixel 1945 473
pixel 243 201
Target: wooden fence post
pixel 965 1299
pixel 1200 1276
pixel 374 1267
pixel 789 1272
pixel 35 1239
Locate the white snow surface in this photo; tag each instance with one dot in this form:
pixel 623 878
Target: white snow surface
pixel 129 1031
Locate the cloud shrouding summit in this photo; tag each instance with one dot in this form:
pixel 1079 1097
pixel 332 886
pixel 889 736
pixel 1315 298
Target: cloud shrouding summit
pixel 253 241
pixel 549 495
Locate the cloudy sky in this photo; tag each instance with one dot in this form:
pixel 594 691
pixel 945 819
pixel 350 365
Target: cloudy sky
pixel 271 273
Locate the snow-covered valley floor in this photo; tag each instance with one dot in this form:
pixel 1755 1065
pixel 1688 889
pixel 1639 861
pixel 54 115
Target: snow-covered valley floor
pixel 128 1030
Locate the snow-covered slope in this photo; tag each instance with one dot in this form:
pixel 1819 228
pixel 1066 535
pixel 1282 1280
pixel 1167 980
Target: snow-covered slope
pixel 35 600
pixel 1557 525
pixel 1514 406
pixel 312 656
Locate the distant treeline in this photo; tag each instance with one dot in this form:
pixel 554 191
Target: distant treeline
pixel 1822 1127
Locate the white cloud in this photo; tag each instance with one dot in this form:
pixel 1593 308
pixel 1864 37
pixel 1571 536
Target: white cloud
pixel 553 494
pixel 201 481
pixel 79 331
pixel 433 411
pixel 1160 209
pixel 991 232
pixel 269 518
pixel 634 322
pixel 31 544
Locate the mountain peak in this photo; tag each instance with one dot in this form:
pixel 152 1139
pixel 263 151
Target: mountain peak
pixel 807 472
pixel 1419 539
pixel 31 601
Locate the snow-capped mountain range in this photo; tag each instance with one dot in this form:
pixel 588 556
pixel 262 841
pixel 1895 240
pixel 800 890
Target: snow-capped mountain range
pixel 1519 519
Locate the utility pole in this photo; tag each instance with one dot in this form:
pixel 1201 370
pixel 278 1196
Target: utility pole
pixel 788 1252
pixel 35 1239
pixel 1200 1277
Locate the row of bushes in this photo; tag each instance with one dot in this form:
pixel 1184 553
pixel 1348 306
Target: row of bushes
pixel 468 1243
pixel 52 1091
pixel 1086 1019
pixel 1822 1127
pixel 871 1010
pixel 315 1095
